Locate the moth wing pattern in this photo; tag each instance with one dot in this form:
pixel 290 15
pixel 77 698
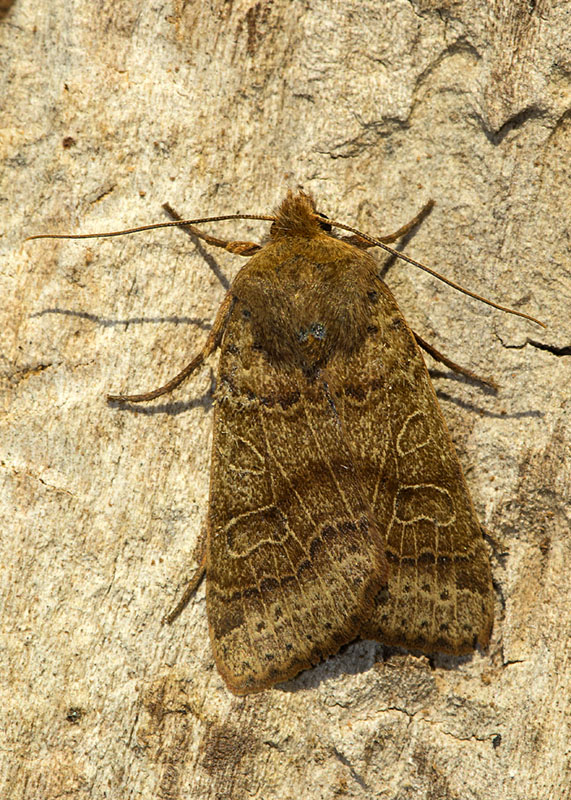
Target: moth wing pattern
pixel 439 589
pixel 294 556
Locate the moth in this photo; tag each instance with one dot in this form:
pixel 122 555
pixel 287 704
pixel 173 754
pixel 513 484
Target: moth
pixel 338 508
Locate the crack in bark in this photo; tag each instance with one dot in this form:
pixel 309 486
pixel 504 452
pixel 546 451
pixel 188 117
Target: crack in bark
pixel 551 348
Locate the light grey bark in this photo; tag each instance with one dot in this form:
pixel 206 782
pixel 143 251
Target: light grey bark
pixel 110 109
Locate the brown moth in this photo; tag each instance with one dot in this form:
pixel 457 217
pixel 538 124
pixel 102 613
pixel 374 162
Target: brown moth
pixel 338 508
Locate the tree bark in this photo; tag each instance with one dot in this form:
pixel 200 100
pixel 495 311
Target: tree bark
pixel 109 110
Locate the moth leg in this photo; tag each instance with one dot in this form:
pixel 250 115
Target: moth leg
pixel 238 248
pixel 438 356
pixel 214 338
pixel 392 237
pixel 498 543
pixel 194 582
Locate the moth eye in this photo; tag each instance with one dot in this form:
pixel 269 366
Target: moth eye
pixel 246 313
pixel 325 226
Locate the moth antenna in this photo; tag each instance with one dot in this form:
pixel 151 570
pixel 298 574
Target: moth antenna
pixel 454 285
pixel 172 224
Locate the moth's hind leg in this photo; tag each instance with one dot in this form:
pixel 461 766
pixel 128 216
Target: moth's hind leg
pixel 212 343
pixel 438 356
pixel 238 248
pixel 196 578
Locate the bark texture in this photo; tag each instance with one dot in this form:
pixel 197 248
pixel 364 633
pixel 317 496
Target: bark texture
pixel 110 109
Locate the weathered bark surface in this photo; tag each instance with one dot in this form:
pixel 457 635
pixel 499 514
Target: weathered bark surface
pixel 110 109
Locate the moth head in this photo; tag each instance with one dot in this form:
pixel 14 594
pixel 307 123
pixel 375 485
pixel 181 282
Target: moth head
pixel 297 216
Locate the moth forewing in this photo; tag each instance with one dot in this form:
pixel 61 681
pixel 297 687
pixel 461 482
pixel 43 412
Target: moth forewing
pixel 295 557
pixel 440 587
